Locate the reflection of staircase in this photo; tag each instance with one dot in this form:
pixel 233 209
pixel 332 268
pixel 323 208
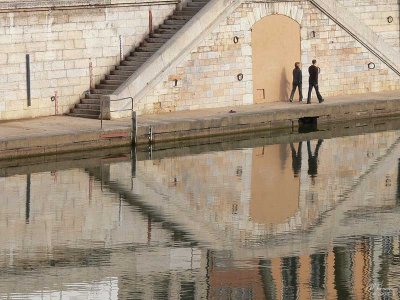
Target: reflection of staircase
pixel 89 106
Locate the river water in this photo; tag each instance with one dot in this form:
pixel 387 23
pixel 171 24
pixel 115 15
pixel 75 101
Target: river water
pixel 309 215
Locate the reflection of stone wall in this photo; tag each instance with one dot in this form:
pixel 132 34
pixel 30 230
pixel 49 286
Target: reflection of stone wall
pixel 208 184
pixel 341 163
pixel 66 210
pixel 215 185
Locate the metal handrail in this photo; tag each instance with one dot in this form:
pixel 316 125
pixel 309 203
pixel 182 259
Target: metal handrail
pixel 133 116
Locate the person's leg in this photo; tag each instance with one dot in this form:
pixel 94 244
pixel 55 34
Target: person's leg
pixel 310 86
pixel 320 99
pixel 300 86
pixel 292 93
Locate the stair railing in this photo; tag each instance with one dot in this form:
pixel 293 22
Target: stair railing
pixel 133 116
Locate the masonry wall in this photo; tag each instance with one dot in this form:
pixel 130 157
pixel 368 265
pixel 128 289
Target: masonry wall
pixel 376 14
pixel 208 76
pixel 62 41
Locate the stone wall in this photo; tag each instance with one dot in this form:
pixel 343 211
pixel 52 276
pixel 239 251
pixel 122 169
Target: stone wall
pixel 375 14
pixel 63 40
pixel 208 76
pixel 61 43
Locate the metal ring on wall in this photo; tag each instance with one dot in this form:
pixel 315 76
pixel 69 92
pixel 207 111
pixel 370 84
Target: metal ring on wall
pixel 390 19
pixel 236 39
pixel 240 77
pixel 371 66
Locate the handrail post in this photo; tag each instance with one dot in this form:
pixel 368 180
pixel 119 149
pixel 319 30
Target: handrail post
pixel 101 113
pixel 134 124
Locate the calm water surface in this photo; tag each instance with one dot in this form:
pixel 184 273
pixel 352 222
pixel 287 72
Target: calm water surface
pixel 310 217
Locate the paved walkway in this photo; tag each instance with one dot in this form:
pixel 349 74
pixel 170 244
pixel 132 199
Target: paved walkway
pixel 57 132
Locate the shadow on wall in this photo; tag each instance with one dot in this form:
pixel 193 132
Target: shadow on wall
pixel 284 86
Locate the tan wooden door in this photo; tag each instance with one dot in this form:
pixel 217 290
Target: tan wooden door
pixel 276 47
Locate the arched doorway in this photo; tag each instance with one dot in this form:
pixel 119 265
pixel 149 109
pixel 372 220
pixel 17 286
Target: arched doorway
pixel 276 47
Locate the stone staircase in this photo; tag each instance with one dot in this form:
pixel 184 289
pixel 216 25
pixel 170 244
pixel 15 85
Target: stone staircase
pixel 89 106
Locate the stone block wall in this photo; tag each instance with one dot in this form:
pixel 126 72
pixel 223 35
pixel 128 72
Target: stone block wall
pixel 207 77
pixel 375 14
pixel 61 43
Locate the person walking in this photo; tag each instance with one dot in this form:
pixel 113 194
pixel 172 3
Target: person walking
pixel 297 82
pixel 313 70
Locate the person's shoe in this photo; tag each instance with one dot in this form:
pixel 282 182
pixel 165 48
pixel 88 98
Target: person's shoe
pixel 300 100
pixel 322 100
pixel 290 100
pixel 308 101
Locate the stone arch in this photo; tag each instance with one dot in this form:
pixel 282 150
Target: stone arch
pixel 276 46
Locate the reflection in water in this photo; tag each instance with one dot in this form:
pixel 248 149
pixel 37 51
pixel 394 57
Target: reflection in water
pixel 313 160
pixel 242 223
pixel 296 159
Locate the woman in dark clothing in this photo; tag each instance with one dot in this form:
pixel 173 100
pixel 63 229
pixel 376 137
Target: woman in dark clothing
pixel 297 82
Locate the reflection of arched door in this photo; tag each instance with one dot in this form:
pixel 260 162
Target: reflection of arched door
pixel 275 191
pixel 276 47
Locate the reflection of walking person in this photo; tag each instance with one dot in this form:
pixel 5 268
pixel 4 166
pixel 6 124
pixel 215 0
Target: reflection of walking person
pixel 296 159
pixel 297 82
pixel 313 70
pixel 313 159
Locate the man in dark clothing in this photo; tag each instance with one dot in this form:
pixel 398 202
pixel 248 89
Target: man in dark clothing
pixel 313 70
pixel 297 82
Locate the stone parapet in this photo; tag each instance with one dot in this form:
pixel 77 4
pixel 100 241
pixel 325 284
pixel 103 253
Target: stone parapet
pixel 7 6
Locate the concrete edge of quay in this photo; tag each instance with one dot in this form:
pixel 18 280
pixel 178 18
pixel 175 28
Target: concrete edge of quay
pixel 64 143
pixel 279 118
pixel 203 126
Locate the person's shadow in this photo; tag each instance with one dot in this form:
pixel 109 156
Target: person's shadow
pixel 313 159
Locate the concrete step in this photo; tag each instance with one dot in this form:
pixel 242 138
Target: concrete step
pixel 155 45
pixel 92 96
pixel 110 87
pixel 146 49
pixel 140 55
pixel 88 106
pixel 175 22
pixel 180 17
pixel 91 112
pixel 117 77
pixel 160 35
pixel 167 31
pixel 83 115
pixel 127 67
pixel 170 26
pixel 102 91
pixel 113 82
pixel 196 4
pixel 90 101
pixel 186 12
pixel 157 39
pixel 121 73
